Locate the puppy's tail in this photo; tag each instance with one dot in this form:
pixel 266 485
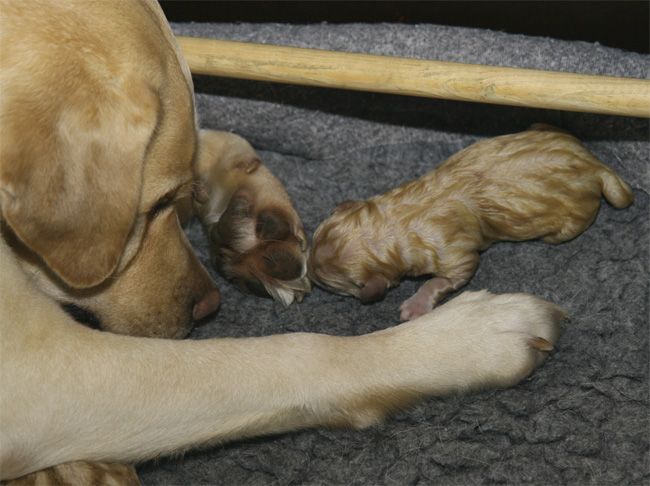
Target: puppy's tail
pixel 616 191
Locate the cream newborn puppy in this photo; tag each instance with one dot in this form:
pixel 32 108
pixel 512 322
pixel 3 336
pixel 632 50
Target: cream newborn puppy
pixel 540 183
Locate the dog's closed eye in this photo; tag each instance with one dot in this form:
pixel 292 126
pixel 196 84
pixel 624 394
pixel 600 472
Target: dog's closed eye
pixel 163 203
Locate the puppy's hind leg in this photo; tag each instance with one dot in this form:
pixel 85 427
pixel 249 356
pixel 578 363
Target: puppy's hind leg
pixel 616 191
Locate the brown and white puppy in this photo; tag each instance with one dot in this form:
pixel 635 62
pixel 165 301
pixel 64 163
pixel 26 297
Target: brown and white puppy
pixel 256 235
pixel 540 183
pixel 98 141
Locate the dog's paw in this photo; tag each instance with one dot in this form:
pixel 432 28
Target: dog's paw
pixel 506 335
pixel 95 473
pixel 482 340
pixel 474 342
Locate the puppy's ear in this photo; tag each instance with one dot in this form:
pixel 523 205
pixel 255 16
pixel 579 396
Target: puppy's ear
pixel 71 175
pixel 374 289
pixel 247 163
pixel 269 270
pixel 345 205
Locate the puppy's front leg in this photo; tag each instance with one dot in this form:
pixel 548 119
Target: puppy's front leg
pixel 457 265
pixel 427 296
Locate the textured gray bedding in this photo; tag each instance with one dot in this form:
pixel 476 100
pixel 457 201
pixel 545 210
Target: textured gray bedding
pixel 580 419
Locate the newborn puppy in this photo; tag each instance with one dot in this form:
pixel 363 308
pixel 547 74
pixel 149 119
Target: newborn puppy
pixel 541 183
pixel 255 232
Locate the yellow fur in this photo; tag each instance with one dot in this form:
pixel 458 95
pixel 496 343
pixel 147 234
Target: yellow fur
pixel 541 183
pixel 110 114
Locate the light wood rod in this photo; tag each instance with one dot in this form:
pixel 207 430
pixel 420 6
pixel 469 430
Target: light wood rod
pixel 414 77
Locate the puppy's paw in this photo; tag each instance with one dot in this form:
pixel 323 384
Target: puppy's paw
pixel 427 296
pixel 414 307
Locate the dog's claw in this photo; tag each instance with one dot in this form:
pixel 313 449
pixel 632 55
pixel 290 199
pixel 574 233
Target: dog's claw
pixel 542 344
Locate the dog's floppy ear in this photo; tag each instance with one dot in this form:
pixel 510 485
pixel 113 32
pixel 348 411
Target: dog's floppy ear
pixel 374 289
pixel 71 177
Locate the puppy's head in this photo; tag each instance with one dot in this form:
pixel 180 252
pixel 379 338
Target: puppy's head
pixel 351 255
pixel 255 232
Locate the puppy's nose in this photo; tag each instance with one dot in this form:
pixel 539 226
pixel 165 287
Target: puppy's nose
pixel 207 305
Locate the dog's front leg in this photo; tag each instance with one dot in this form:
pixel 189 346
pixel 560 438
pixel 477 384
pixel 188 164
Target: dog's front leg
pixel 80 473
pixel 74 394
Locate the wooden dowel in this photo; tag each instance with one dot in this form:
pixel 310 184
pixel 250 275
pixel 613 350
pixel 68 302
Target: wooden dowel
pixel 415 77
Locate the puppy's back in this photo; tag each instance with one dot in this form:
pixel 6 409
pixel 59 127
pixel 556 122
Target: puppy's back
pixel 540 183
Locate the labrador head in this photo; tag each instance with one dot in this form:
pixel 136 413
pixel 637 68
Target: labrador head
pixel 98 138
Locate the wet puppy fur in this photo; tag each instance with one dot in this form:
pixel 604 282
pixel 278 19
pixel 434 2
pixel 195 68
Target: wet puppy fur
pixel 538 184
pixel 256 236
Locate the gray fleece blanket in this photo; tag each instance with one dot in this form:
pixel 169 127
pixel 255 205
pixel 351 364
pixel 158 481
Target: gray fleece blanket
pixel 582 418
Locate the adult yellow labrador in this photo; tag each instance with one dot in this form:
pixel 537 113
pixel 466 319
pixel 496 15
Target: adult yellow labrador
pixel 98 137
